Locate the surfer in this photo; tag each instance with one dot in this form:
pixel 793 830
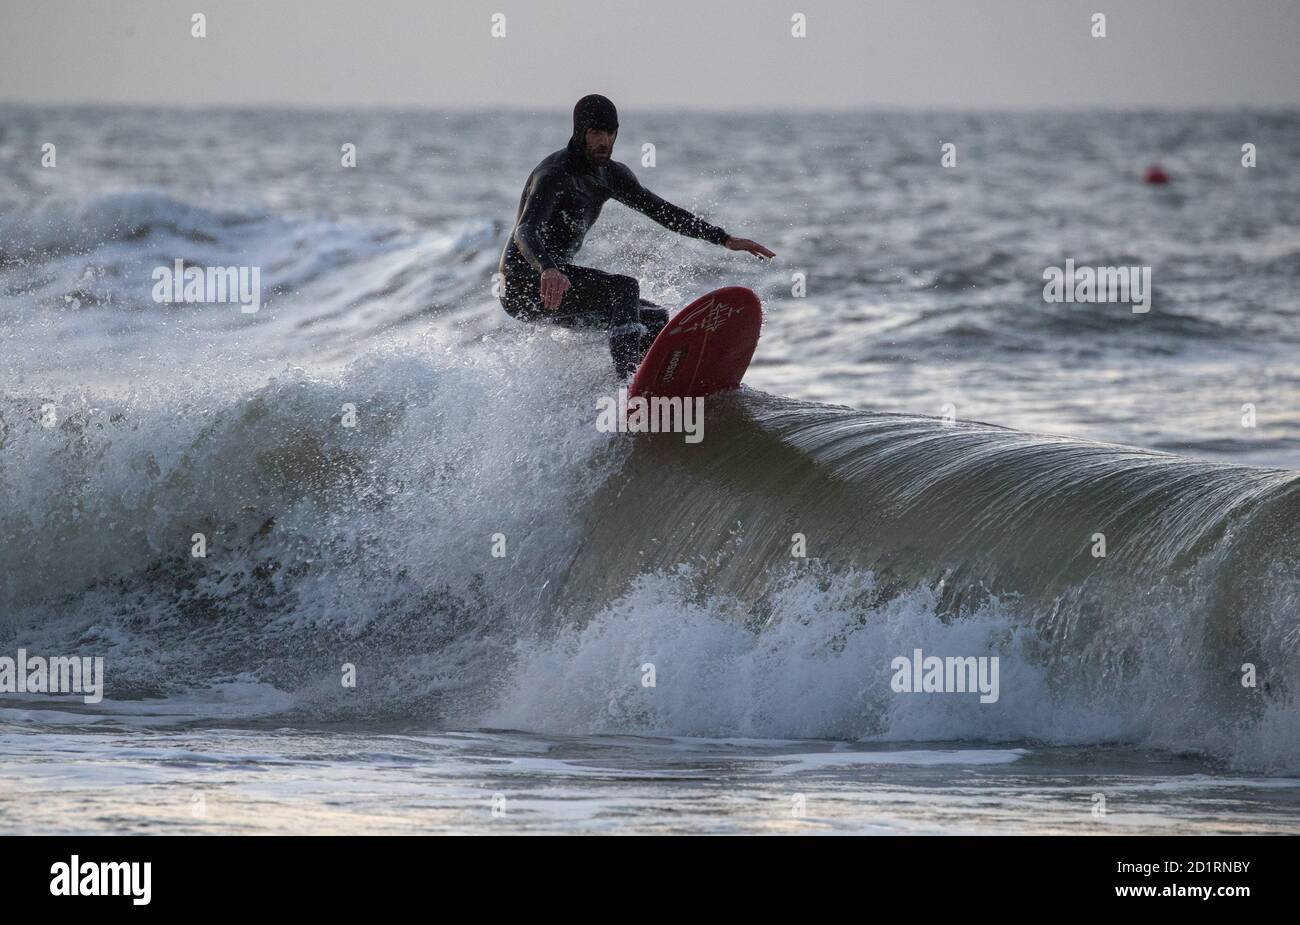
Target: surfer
pixel 560 202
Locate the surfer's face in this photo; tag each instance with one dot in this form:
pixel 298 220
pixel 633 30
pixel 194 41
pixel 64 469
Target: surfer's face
pixel 600 145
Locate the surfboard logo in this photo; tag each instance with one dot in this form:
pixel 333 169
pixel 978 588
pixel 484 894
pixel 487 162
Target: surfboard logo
pixel 670 368
pixel 704 349
pixel 709 317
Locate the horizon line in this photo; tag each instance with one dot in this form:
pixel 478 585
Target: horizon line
pixel 657 108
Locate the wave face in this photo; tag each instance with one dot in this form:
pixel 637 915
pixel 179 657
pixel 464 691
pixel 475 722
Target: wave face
pixel 959 540
pixel 373 547
pixel 354 454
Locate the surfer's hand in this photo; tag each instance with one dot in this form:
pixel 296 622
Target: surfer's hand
pixel 753 247
pixel 554 285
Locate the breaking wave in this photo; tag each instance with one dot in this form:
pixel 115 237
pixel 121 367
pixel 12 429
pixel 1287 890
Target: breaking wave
pixel 350 515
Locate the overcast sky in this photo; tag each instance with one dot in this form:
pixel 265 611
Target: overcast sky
pixel 713 54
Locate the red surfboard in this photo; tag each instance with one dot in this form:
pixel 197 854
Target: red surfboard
pixel 703 350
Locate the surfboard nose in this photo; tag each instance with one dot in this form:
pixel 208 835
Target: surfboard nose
pixel 706 348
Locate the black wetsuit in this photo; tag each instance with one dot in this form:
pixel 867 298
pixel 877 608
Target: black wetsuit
pixel 561 200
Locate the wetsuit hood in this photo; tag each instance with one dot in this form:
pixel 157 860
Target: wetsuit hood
pixel 592 111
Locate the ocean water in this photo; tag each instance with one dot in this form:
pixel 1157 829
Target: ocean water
pixel 647 655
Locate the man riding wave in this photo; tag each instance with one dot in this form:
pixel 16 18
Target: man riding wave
pixel 561 201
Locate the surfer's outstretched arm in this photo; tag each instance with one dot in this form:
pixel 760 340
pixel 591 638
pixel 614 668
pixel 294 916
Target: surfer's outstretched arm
pixel 628 190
